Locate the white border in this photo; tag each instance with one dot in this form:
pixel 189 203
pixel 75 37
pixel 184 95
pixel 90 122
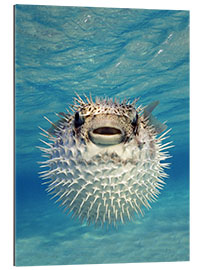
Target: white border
pixel 155 4
pixel 6 142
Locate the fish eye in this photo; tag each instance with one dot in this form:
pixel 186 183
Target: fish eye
pixel 79 120
pixel 134 121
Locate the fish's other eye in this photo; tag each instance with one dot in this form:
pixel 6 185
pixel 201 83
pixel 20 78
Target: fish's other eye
pixel 79 120
pixel 134 121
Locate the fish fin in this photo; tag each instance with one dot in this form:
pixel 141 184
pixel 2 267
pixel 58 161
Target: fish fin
pixel 149 108
pixel 153 121
pixel 52 130
pixel 158 126
pixel 56 125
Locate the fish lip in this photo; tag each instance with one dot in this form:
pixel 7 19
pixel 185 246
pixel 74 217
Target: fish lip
pixel 106 135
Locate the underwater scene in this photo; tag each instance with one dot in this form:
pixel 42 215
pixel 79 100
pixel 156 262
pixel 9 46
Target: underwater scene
pixel 129 59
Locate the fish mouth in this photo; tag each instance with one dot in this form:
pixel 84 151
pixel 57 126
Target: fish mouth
pixel 106 135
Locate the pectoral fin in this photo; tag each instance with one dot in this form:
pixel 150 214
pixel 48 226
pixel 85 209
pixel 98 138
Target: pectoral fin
pixel 153 121
pixel 55 126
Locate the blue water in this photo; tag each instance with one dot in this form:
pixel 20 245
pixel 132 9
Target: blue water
pixel 113 52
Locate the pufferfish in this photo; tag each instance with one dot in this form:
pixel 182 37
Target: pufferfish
pixel 105 161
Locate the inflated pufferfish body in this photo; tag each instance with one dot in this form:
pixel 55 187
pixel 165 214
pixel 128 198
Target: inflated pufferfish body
pixel 105 161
